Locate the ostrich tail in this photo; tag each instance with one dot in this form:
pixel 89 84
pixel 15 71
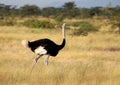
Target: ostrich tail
pixel 25 43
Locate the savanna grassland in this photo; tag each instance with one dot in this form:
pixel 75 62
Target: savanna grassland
pixel 85 60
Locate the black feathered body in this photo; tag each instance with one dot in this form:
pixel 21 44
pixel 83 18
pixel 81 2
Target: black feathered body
pixel 51 48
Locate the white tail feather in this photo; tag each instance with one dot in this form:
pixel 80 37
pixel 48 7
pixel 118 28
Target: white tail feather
pixel 25 43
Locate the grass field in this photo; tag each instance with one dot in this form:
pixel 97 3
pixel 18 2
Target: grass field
pixel 89 60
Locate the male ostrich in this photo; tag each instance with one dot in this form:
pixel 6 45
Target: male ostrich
pixel 45 47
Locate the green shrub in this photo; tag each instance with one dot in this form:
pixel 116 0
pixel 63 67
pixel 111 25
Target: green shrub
pixel 84 28
pixel 59 18
pixel 38 24
pixel 75 24
pixel 7 22
pixel 115 26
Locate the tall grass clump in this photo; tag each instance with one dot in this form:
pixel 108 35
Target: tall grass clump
pixel 34 23
pixel 84 28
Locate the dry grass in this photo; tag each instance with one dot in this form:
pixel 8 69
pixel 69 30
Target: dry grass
pixel 90 60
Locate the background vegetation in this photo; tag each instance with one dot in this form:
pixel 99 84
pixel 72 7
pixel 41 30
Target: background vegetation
pixel 68 10
pixel 30 15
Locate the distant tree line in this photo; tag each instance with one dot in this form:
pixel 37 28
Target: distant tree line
pixel 10 15
pixel 68 10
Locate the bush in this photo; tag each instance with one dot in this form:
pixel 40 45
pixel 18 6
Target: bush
pixel 84 28
pixel 38 24
pixel 75 24
pixel 115 26
pixel 8 22
pixel 59 18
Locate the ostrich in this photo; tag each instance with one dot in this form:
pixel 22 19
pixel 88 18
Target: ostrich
pixel 45 47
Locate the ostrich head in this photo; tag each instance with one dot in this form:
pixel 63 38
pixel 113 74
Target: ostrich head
pixel 25 43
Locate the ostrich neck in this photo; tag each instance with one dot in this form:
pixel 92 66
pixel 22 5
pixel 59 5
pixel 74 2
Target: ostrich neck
pixel 63 44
